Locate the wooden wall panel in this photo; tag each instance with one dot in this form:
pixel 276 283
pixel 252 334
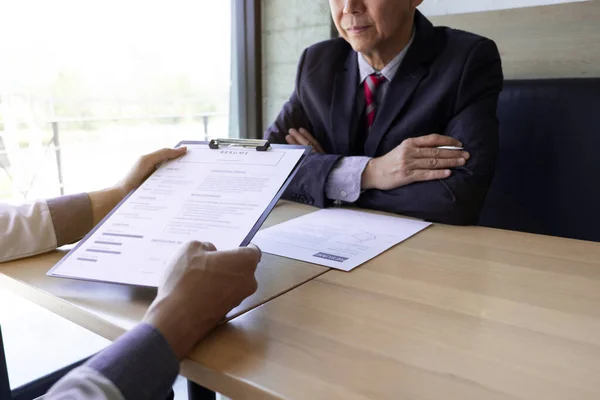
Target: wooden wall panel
pixel 556 41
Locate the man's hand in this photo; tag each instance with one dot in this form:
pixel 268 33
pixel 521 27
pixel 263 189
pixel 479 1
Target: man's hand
pixel 200 287
pixel 303 137
pixel 103 201
pixel 414 160
pixel 146 165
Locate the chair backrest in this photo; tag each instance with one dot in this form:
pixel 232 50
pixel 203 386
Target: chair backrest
pixel 548 170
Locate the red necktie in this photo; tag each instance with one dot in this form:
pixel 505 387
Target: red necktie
pixel 371 84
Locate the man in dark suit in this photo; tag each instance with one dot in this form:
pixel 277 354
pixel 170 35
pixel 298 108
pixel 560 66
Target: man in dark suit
pixel 379 102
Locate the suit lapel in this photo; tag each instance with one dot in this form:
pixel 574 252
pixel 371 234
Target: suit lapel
pixel 411 72
pixel 400 90
pixel 343 115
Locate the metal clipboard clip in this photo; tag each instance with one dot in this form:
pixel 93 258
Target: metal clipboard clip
pixel 258 144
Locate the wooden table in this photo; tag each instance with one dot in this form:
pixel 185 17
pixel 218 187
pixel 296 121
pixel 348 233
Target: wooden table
pixel 453 313
pixel 110 309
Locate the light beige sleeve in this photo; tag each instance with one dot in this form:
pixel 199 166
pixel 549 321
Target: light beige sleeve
pixel 41 226
pixel 84 383
pixel 25 230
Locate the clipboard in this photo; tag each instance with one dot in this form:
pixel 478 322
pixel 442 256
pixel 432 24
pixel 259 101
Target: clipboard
pixel 258 145
pixel 215 144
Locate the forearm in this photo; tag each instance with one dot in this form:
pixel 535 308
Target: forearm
pixel 457 200
pixel 103 201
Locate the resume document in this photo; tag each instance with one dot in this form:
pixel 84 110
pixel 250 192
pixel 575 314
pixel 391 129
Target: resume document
pixel 215 196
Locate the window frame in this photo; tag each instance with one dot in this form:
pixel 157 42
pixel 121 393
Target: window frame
pixel 248 68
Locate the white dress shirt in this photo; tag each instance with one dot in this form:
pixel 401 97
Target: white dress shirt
pixel 344 180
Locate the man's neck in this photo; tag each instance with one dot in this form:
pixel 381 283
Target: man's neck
pixel 380 57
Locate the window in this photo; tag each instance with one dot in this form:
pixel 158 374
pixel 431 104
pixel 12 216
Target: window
pixel 88 86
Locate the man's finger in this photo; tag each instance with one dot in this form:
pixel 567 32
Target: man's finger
pixel 299 138
pixel 146 165
pixel 315 143
pixel 255 247
pixel 425 152
pixel 291 140
pixel 421 175
pixel 435 140
pixel 204 246
pixel 308 136
pixel 162 155
pixel 243 257
pixel 438 163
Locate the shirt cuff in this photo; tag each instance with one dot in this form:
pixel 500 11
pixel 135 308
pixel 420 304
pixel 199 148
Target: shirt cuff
pixel 84 383
pixel 71 217
pixel 344 180
pixel 140 363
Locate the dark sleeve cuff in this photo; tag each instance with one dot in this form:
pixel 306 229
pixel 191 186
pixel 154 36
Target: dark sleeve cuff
pixel 71 217
pixel 309 183
pixel 140 363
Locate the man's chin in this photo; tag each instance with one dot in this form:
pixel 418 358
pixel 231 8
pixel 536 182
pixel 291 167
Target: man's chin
pixel 360 46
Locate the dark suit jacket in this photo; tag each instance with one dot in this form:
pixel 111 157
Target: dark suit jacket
pixel 448 83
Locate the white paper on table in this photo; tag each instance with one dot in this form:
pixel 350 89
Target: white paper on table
pixel 337 238
pixel 208 195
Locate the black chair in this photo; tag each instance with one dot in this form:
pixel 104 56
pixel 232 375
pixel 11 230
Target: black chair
pixel 32 389
pixel 4 383
pixel 197 392
pixel 547 173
